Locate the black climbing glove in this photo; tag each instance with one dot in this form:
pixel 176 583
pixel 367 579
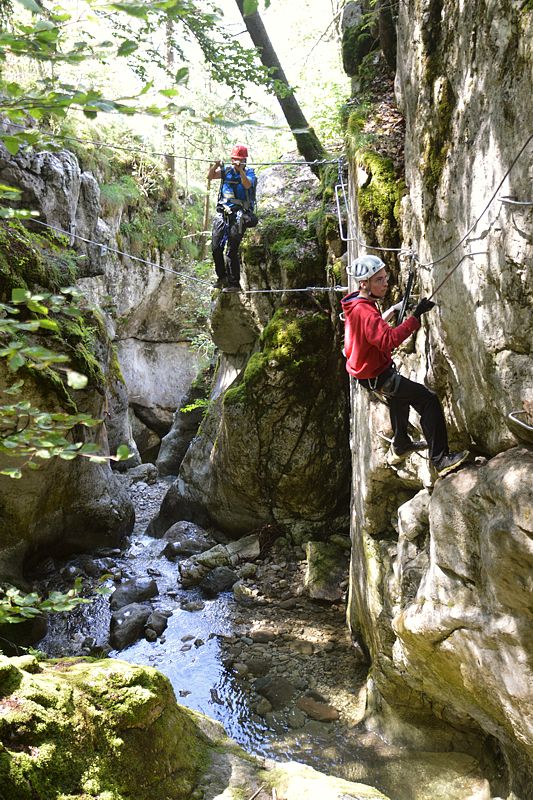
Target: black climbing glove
pixel 423 306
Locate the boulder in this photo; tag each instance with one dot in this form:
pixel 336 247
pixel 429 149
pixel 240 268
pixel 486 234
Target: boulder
pixel 133 591
pixel 327 568
pixel 220 579
pixel 186 539
pixel 99 728
pixel 127 625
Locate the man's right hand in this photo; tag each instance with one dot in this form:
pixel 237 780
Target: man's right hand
pixel 423 306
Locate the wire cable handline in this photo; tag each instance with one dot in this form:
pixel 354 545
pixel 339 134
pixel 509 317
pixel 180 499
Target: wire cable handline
pixel 106 249
pixel 65 138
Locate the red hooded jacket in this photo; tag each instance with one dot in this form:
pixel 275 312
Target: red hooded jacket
pixel 368 339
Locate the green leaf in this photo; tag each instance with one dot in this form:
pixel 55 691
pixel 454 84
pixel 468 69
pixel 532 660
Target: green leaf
pixel 15 388
pixel 19 295
pixel 12 144
pixel 16 362
pixel 182 75
pixel 11 472
pixel 31 5
pixel 249 7
pixel 49 324
pixel 123 452
pixel 135 10
pixel 76 380
pixel 127 48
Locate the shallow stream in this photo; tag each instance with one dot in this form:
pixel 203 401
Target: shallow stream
pixel 310 648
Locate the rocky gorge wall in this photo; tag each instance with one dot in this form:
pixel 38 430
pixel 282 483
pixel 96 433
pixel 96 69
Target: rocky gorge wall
pixel 441 572
pixel 134 310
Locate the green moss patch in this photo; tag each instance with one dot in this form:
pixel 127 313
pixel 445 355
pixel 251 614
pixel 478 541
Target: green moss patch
pixel 295 343
pixel 96 729
pixel 29 259
pixel 437 138
pixel 357 43
pixel 379 199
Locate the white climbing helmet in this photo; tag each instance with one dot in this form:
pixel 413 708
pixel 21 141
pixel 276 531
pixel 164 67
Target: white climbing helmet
pixel 364 267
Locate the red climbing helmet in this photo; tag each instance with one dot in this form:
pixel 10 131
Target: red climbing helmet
pixel 240 151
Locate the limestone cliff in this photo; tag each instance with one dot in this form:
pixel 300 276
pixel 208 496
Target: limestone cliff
pixel 137 320
pixel 441 572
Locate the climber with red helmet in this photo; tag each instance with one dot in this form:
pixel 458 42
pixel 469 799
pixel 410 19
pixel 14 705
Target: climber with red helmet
pixel 235 213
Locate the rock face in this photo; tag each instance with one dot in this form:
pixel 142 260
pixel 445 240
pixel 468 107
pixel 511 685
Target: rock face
pixel 454 165
pixel 135 741
pixel 440 572
pixel 150 312
pixel 272 446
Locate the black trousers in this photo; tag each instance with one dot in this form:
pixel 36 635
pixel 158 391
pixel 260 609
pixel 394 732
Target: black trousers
pixel 408 393
pixel 229 267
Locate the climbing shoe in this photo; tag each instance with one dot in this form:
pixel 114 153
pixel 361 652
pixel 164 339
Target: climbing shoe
pixel 398 454
pixel 450 462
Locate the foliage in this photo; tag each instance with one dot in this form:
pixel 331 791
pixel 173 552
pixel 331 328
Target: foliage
pixel 27 432
pixel 16 606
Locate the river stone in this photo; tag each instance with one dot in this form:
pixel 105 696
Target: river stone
pixel 278 691
pixel 127 625
pixel 133 591
pixel 327 565
pixel 195 568
pixel 157 621
pixel 142 472
pixel 263 635
pixel 220 579
pixel 258 666
pixel 187 539
pixel 322 712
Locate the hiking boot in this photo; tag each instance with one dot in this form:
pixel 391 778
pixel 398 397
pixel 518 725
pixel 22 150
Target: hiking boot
pixel 398 454
pixel 450 462
pixel 220 283
pixel 233 287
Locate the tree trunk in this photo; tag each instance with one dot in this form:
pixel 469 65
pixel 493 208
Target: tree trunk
pixel 307 141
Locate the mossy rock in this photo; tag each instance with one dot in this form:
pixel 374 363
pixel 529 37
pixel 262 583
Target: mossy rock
pixel 295 344
pixel 357 42
pixel 29 259
pixel 437 139
pixel 85 728
pixel 379 199
pixel 291 249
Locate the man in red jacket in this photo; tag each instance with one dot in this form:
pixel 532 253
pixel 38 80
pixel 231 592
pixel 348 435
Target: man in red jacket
pixel 368 344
